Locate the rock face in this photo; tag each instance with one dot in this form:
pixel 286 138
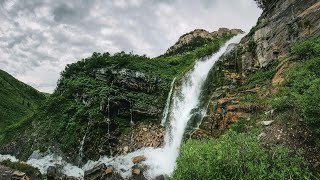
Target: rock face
pixel 130 79
pixel 277 29
pixel 203 34
pixel 280 25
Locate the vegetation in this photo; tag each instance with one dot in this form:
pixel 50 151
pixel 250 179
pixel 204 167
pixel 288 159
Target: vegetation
pixel 210 45
pixel 238 156
pixel 302 87
pixel 29 170
pixel 265 4
pixel 18 100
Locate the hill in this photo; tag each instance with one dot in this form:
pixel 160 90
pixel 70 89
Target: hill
pixel 18 100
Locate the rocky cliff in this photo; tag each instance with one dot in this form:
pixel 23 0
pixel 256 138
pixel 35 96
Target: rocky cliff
pixel 283 23
pixel 252 86
pixel 199 38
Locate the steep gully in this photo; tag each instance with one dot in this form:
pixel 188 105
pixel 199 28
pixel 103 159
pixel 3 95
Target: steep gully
pixel 182 105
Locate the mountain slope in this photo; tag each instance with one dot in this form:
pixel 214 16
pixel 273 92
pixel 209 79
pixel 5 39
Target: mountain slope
pixel 18 100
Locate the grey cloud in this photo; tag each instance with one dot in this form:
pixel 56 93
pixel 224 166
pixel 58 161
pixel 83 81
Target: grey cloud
pixel 39 37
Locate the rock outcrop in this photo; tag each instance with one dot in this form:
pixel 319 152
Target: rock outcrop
pixel 188 38
pixel 279 26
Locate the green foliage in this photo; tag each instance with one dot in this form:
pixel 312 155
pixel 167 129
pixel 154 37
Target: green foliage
pixel 252 31
pixel 252 47
pixel 281 102
pixel 210 45
pixel 238 156
pixel 18 100
pixel 262 77
pixel 308 48
pixel 303 86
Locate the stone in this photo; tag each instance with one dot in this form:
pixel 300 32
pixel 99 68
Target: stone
pixel 125 149
pixel 161 177
pixel 138 159
pixel 19 175
pixel 136 171
pixel 145 129
pixel 109 170
pixel 267 123
pixel 95 173
pixel 261 136
pixel 51 172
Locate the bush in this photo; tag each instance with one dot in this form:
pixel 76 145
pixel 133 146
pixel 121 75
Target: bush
pixel 303 86
pixel 238 156
pixel 307 49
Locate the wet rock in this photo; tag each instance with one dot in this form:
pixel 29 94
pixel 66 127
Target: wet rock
pixel 136 171
pixel 138 159
pixel 161 177
pixel 70 178
pixel 51 172
pixel 109 170
pixel 19 175
pixel 95 173
pixel 125 149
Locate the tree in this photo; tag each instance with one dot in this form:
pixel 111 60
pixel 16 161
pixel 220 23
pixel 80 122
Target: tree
pixel 265 4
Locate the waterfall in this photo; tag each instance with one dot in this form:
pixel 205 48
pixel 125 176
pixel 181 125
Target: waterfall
pixel 185 103
pixel 109 122
pixel 80 155
pixel 167 107
pixel 131 111
pixel 161 161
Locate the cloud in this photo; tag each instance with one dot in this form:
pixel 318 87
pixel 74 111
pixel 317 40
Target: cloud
pixel 39 37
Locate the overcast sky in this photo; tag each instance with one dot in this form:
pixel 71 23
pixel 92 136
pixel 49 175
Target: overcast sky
pixel 39 37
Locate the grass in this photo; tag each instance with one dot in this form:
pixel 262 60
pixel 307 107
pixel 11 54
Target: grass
pixel 18 100
pixel 238 156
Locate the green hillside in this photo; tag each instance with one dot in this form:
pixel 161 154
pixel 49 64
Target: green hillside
pixel 18 100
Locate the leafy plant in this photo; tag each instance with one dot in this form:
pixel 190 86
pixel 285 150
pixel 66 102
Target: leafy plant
pixel 238 156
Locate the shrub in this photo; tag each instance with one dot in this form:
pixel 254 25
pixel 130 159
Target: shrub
pixel 308 48
pixel 303 86
pixel 238 156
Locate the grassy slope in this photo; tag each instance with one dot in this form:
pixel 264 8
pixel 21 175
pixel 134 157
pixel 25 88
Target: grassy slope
pixel 18 100
pixel 239 154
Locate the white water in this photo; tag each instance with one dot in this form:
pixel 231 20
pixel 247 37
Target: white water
pixel 161 161
pixel 167 107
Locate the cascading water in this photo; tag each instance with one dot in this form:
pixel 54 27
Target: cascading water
pixel 161 161
pixel 167 107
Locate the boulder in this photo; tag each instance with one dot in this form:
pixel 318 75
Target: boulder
pixel 96 173
pixel 125 149
pixel 136 171
pixel 138 159
pixel 109 170
pixel 19 175
pixel 267 123
pixel 51 172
